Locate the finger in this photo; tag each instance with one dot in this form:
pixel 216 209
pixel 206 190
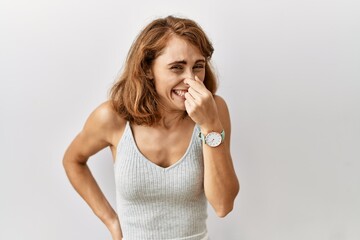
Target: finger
pixel 194 94
pixel 190 99
pixel 195 78
pixel 196 85
pixel 188 106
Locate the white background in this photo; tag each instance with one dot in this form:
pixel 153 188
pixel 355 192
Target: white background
pixel 289 71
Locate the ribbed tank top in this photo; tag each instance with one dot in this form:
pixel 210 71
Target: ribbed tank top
pixel 156 203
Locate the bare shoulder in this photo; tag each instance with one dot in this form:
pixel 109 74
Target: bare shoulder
pixel 106 115
pixel 105 122
pixel 221 105
pixel 101 130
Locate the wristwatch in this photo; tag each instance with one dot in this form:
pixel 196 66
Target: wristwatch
pixel 212 139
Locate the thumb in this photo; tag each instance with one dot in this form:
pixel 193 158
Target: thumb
pixel 197 79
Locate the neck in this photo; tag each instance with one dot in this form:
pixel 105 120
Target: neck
pixel 170 120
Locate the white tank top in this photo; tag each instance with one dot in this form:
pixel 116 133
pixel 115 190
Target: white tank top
pixel 160 203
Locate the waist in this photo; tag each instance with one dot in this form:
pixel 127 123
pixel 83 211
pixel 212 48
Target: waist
pixel 162 220
pixel 201 236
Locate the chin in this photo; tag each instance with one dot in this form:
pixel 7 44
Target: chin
pixel 181 108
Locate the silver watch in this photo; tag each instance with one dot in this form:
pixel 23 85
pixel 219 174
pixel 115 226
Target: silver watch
pixel 212 139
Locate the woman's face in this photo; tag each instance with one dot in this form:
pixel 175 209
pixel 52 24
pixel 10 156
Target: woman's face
pixel 179 60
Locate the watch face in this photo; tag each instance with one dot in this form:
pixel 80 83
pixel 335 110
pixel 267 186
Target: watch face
pixel 213 139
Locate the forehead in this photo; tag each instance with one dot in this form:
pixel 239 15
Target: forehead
pixel 178 49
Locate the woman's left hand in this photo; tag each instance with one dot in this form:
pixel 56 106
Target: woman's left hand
pixel 200 104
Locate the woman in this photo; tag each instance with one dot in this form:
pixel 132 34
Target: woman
pixel 169 135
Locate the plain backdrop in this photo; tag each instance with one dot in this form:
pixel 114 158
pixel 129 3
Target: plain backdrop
pixel 289 71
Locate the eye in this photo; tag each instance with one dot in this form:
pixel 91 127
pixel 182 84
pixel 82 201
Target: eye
pixel 199 66
pixel 176 67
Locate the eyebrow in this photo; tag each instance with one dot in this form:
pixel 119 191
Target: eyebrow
pixel 184 62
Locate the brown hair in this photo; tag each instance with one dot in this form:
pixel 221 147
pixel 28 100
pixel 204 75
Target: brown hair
pixel 133 95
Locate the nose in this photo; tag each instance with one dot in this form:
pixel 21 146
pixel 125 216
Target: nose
pixel 189 73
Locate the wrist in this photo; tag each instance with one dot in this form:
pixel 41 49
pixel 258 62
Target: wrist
pixel 111 222
pixel 115 229
pixel 211 127
pixel 212 135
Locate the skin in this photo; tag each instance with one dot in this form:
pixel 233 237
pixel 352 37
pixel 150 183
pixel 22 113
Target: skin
pixel 178 74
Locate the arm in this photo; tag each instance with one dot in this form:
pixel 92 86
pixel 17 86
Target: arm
pixel 221 183
pixel 98 133
pixel 211 113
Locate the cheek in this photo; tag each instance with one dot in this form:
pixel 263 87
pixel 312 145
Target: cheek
pixel 201 76
pixel 165 83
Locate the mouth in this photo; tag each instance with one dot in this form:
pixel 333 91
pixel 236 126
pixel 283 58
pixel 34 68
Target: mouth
pixel 180 92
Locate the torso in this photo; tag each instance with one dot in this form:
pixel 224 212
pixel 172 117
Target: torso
pixel 161 196
pixel 164 147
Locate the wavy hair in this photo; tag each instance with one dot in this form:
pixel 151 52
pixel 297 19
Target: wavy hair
pixel 133 95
